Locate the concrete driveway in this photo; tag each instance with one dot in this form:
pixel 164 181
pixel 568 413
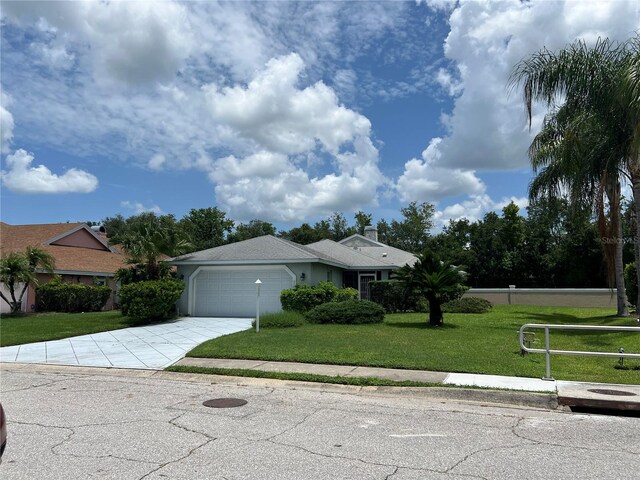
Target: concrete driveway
pixel 148 347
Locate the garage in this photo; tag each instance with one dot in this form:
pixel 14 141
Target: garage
pixel 231 291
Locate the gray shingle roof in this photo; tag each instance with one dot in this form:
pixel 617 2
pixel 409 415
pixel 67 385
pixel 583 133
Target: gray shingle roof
pixel 269 249
pixel 349 256
pixel 265 248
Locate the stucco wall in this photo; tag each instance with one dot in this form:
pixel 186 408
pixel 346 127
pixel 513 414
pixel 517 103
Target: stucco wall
pixel 81 238
pixel 553 297
pixel 4 306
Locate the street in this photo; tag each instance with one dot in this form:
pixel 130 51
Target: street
pixel 77 423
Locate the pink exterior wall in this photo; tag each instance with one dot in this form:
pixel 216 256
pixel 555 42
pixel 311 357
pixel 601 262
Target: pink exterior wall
pixel 82 239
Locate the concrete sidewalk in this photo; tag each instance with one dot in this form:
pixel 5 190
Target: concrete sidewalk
pixel 595 395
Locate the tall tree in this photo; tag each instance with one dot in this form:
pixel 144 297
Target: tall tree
pixel 592 82
pixel 412 232
pixel 21 268
pixel 253 229
pixel 206 227
pixel 362 220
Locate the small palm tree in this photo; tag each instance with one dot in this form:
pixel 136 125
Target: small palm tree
pixel 20 268
pixel 434 279
pixel 148 244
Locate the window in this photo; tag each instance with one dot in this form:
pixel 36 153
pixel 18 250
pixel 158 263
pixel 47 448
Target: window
pixel 329 276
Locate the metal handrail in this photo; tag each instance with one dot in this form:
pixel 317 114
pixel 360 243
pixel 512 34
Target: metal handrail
pixel 548 351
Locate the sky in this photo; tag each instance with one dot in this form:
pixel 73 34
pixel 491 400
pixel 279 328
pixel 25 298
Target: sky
pixel 280 111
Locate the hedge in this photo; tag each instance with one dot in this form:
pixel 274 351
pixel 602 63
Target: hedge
pixel 467 305
pixel 393 296
pixel 303 298
pixel 59 296
pixel 281 320
pixel 150 300
pixel 348 312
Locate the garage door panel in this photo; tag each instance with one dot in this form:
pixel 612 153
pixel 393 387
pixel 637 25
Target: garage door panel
pixel 232 293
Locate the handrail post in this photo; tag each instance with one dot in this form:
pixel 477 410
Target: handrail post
pixel 548 354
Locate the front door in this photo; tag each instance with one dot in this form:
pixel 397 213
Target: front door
pixel 365 279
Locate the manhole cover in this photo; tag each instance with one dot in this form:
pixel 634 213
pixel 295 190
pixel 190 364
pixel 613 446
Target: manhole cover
pixel 224 402
pixel 612 392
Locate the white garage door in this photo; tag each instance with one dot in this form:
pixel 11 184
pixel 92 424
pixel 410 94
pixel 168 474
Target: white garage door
pixel 231 292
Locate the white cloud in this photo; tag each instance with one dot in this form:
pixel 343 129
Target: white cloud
pixel 488 128
pixel 6 123
pixel 475 207
pixel 130 42
pixel 23 178
pixel 278 116
pixel 270 186
pixel 423 180
pixel 157 162
pixel 139 208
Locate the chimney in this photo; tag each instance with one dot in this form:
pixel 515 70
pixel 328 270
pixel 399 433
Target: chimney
pixel 371 233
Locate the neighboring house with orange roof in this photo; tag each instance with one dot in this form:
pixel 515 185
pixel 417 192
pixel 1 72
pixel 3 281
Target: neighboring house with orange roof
pixel 81 254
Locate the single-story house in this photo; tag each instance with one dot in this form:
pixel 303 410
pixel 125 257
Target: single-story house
pixel 82 254
pixel 220 281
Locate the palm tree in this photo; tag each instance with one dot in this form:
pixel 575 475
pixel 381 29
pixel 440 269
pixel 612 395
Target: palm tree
pixel 594 84
pixel 20 268
pixel 147 244
pixel 434 279
pixel 572 156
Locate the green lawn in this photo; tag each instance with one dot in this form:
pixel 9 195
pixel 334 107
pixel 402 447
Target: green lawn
pixel 469 343
pixel 39 327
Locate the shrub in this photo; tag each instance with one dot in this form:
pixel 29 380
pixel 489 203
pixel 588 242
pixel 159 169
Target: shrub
pixel 303 298
pixel 467 305
pixel 281 320
pixel 150 300
pixel 346 294
pixel 348 312
pixel 59 296
pixel 631 283
pixel 393 296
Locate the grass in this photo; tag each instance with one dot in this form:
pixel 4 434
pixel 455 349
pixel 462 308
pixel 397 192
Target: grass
pixel 39 327
pixel 301 377
pixel 472 343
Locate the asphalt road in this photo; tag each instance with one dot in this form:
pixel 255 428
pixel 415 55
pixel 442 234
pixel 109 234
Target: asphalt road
pixel 74 423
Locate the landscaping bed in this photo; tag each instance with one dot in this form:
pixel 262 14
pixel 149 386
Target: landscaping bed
pixel 472 343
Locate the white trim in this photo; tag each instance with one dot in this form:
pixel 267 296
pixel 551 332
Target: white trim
pixel 360 275
pixel 196 272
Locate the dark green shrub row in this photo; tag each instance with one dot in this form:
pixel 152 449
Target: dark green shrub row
pixel 631 283
pixel 281 320
pixel 393 296
pixel 348 312
pixel 59 296
pixel 303 298
pixel 467 305
pixel 151 300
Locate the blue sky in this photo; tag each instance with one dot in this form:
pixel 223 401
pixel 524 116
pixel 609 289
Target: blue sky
pixel 282 111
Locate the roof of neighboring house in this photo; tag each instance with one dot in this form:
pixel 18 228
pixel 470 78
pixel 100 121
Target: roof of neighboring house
pixel 379 250
pixel 74 246
pixel 349 256
pixel 269 250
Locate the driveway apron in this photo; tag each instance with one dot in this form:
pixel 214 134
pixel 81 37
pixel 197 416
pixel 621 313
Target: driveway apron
pixel 148 347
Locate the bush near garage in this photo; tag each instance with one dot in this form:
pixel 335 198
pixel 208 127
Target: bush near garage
pixel 281 320
pixel 150 300
pixel 467 305
pixel 59 296
pixel 348 312
pixel 303 298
